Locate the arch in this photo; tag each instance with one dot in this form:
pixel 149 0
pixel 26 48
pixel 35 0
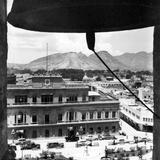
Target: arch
pixel 46 133
pixel 34 134
pixel 87 116
pixel 99 130
pixel 91 130
pixel 106 130
pixel 60 132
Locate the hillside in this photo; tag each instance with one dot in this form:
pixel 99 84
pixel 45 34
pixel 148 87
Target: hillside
pixel 137 61
pixel 72 60
pixel 76 61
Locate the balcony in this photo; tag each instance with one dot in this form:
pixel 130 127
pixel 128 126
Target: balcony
pixel 20 103
pixel 88 121
pixel 18 124
pixel 52 104
pixel 34 122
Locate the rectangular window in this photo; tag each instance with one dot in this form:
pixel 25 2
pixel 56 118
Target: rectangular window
pixel 15 118
pixel 93 98
pixel 34 99
pixel 46 133
pixel 24 118
pixel 113 114
pixel 113 129
pixel 59 117
pixel 106 114
pixel 34 119
pixel 21 99
pixel 47 119
pixel 60 98
pixel 71 116
pixel 83 98
pixel 20 118
pixel 47 98
pixel 72 98
pixel 99 115
pixel 91 115
pixel 83 116
pixel 34 134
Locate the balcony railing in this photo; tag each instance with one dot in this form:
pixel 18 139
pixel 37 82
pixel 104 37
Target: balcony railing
pixel 85 120
pixel 23 123
pixel 34 122
pixel 20 103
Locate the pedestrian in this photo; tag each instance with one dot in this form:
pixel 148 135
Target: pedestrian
pixel 145 142
pixel 86 150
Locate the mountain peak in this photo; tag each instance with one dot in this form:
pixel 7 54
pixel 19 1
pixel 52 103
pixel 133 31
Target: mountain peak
pixel 78 60
pixel 137 61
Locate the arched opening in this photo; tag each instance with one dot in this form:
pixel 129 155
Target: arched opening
pixel 91 131
pixel 59 132
pixel 46 133
pixel 99 130
pixel 34 134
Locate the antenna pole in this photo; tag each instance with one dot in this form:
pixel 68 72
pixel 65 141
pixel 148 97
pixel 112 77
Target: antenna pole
pixel 47 58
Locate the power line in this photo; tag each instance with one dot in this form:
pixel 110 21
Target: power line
pixel 90 37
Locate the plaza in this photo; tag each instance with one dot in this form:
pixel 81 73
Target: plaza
pixel 89 152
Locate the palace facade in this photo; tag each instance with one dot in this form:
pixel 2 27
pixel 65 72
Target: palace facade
pixel 47 106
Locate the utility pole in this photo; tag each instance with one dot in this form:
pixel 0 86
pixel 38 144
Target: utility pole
pixel 3 80
pixel 156 84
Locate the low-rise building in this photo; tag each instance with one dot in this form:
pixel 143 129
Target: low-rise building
pixel 136 115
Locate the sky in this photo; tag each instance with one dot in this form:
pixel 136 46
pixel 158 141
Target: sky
pixel 25 46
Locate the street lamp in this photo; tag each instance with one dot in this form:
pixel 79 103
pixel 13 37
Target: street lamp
pixel 146 129
pixel 81 131
pixel 13 134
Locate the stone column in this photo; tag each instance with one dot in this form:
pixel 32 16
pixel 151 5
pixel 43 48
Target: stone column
pixel 3 80
pixel 156 84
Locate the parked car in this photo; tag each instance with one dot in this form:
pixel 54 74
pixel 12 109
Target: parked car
pixel 55 145
pixel 20 141
pixel 105 158
pixel 144 139
pixel 81 143
pixel 91 137
pixel 95 143
pixel 12 146
pixel 122 133
pixel 121 141
pixel 72 139
pixel 30 145
pixel 107 137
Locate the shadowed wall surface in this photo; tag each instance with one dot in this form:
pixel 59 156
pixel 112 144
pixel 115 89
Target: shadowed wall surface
pixel 3 81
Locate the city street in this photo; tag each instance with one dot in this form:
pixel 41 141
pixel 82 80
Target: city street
pixel 90 152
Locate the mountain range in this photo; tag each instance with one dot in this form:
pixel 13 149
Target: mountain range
pixel 129 61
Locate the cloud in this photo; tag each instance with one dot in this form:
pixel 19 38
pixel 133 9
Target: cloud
pixel 25 46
